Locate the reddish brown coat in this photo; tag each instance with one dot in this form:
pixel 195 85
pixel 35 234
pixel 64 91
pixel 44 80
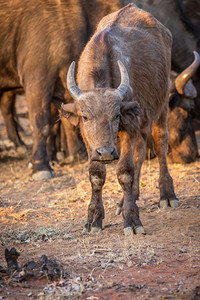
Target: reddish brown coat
pixel 129 105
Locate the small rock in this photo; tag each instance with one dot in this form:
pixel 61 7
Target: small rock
pixel 183 250
pixel 76 287
pixel 29 294
pixel 79 278
pixel 139 286
pixel 40 294
pixel 179 283
pixel 129 264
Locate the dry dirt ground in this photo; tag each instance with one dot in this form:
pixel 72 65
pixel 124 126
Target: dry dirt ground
pixel 48 217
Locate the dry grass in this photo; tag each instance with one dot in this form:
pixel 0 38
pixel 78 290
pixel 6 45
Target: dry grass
pixel 48 217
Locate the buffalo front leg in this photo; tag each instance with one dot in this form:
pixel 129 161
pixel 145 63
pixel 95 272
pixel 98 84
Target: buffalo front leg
pixel 125 174
pixel 139 157
pixel 40 117
pixel 97 173
pixel 160 137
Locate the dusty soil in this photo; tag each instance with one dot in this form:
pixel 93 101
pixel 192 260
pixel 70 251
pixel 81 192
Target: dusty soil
pixel 48 217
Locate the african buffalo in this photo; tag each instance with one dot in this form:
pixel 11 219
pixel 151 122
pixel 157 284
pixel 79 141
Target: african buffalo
pixel 181 17
pixel 38 41
pixel 133 45
pixel 182 140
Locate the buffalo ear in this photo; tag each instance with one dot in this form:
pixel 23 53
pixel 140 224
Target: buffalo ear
pixel 70 112
pixel 130 117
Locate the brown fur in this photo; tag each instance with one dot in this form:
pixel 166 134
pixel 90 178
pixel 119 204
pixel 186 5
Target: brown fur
pixel 38 41
pixel 144 47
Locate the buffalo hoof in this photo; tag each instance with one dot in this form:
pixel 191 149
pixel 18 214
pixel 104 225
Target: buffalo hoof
pixel 85 230
pixel 93 229
pixel 128 231
pixel 139 230
pixel 21 149
pixel 30 165
pixel 166 203
pixel 96 229
pixel 43 175
pixel 60 155
pixel 118 211
pixel 163 204
pixel 174 203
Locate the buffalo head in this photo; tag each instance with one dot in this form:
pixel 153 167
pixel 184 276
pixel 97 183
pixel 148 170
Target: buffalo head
pixel 183 91
pixel 102 113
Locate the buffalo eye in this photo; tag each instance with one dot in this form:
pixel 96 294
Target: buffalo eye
pixel 84 118
pixel 117 116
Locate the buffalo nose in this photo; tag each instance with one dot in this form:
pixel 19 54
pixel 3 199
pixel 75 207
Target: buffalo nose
pixel 107 153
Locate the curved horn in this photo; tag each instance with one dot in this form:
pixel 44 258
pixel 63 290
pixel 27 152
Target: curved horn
pixel 123 87
pixel 183 78
pixel 71 84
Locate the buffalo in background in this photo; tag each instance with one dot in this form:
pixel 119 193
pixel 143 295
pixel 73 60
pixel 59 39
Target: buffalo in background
pixel 182 139
pixel 181 17
pixel 38 41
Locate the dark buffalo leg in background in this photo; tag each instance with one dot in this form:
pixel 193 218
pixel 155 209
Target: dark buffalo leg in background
pixel 160 137
pixel 54 132
pixel 97 173
pixel 75 145
pixel 125 174
pixel 39 101
pixel 7 103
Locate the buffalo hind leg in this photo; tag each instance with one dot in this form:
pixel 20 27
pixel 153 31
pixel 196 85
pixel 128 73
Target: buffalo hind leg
pixel 76 148
pixel 125 174
pixel 52 148
pixel 97 173
pixel 7 103
pixel 160 136
pixel 119 207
